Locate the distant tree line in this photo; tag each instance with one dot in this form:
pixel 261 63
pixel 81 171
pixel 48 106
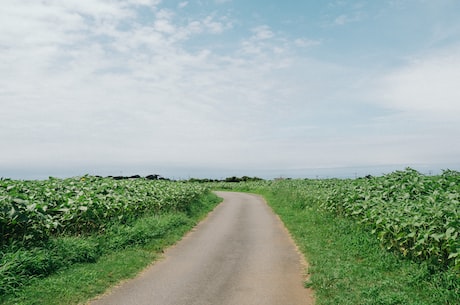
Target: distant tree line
pixel 148 177
pixel 228 179
pixel 201 180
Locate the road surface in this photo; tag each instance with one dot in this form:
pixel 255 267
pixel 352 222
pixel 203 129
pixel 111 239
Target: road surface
pixel 240 255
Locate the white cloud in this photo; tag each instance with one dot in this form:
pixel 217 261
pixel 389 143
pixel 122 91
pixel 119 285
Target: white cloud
pixel 134 92
pixel 427 86
pixel 182 4
pixel 346 19
pixel 262 32
pixel 213 26
pixel 151 3
pixel 164 26
pixel 306 43
pixel 111 82
pixel 261 41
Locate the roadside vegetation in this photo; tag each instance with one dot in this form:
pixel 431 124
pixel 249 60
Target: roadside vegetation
pixel 66 240
pixel 374 240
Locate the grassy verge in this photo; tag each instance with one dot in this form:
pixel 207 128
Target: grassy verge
pixel 348 265
pixel 119 254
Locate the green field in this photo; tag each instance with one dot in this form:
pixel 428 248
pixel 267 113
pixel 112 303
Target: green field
pixel 54 229
pixel 375 240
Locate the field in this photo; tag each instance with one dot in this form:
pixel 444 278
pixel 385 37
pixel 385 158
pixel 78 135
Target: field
pixel 373 240
pixel 48 226
pixel 415 215
pixel 32 211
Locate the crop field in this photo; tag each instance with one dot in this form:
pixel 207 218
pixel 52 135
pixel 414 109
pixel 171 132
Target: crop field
pixel 415 215
pixel 32 211
pixel 46 226
pixel 393 239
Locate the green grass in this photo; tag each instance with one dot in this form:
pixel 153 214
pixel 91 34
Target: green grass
pixel 121 253
pixel 348 266
pixel 82 281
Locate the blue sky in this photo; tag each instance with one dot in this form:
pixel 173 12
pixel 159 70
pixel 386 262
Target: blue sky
pixel 214 88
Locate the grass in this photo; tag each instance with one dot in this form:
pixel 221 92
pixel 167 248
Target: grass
pixel 348 266
pixel 120 254
pixel 80 282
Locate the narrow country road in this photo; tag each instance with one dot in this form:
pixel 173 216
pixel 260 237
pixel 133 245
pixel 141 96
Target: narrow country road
pixel 240 255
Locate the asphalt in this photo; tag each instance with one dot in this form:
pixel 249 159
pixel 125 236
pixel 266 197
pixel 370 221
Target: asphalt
pixel 241 254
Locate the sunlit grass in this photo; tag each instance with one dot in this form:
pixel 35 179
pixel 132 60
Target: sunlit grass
pixel 127 250
pixel 347 263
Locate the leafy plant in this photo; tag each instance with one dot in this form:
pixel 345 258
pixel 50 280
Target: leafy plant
pixel 32 211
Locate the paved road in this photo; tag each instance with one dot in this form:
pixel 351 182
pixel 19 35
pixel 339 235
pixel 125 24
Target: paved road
pixel 240 255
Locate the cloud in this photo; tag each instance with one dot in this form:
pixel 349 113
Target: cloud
pixel 346 19
pixel 306 43
pixel 150 3
pixel 215 26
pixel 426 86
pixel 262 40
pixel 163 22
pixel 182 4
pixel 110 83
pixel 262 32
pixel 109 88
pixel 346 12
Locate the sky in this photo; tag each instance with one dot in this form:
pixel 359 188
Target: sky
pixel 215 88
